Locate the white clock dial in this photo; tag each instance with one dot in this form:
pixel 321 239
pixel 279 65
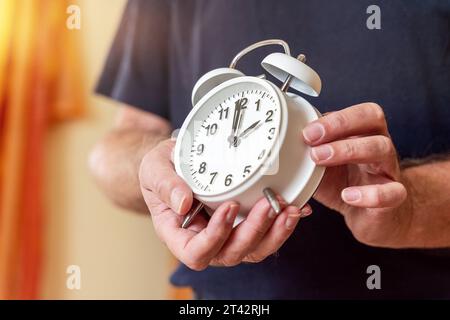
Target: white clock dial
pixel 232 137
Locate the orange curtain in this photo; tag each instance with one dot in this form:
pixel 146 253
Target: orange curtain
pixel 40 83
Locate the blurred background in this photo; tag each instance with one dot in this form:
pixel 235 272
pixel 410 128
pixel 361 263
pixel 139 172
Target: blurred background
pixel 52 214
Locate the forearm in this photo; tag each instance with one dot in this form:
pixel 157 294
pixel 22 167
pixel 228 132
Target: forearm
pixel 115 162
pixel 429 202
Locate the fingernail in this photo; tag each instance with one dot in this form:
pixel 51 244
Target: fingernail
pixel 321 153
pixel 232 212
pixel 351 195
pixel 313 132
pixel 291 221
pixel 177 199
pixel 305 211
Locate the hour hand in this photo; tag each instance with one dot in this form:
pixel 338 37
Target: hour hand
pixel 250 129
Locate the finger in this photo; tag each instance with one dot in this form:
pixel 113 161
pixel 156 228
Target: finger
pixel 247 235
pixel 357 150
pixel 387 195
pixel 280 231
pixel 200 249
pixel 362 119
pixel 158 175
pixel 194 246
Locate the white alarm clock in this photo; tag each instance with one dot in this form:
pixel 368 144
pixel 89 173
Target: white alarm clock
pixel 244 135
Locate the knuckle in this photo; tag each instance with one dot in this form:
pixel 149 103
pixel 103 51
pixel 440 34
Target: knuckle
pixel 378 147
pixel 377 111
pixel 164 144
pixel 165 147
pixel 231 262
pixel 216 237
pixel 403 194
pixel 164 185
pixel 349 150
pixel 257 230
pixel 195 264
pixel 339 120
pixel 371 197
pixel 255 258
pixel 387 146
pixel 381 146
pixel 380 197
pixel 231 259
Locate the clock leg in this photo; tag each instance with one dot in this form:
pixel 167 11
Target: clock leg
pixel 195 209
pixel 273 201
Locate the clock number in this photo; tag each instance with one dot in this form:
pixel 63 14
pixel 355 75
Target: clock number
pixel 271 133
pixel 261 155
pixel 202 168
pixel 228 180
pixel 241 103
pixel 258 104
pixel 269 115
pixel 246 171
pixel 200 149
pixel 213 177
pixel 224 113
pixel 211 129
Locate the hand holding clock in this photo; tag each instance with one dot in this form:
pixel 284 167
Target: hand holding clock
pixel 212 242
pixel 363 180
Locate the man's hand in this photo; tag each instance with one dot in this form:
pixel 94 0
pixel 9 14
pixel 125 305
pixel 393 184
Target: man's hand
pixel 212 242
pixel 363 180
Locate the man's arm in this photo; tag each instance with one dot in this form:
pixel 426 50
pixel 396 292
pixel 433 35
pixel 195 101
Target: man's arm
pixel 429 188
pixel 115 160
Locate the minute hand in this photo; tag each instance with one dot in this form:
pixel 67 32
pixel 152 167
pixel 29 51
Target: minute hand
pixel 237 117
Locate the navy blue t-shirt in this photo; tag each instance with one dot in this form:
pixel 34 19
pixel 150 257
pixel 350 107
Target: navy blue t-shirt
pixel 163 47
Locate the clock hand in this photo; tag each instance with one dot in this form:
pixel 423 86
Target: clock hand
pixel 237 111
pixel 235 141
pixel 238 127
pixel 237 117
pixel 250 129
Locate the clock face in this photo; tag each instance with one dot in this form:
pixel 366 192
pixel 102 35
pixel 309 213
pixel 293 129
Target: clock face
pixel 229 137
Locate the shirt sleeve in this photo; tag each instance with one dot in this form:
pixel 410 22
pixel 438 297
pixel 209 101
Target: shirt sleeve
pixel 136 70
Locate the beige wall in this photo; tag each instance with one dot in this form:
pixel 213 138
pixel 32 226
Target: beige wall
pixel 117 251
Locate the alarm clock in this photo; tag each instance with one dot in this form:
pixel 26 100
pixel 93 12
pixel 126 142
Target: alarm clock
pixel 243 135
